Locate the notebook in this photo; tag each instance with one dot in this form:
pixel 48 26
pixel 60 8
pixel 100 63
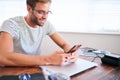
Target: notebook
pixel 71 69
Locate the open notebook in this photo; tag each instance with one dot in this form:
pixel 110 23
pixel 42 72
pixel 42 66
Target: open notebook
pixel 73 68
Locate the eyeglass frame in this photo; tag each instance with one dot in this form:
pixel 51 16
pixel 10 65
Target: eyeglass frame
pixel 42 12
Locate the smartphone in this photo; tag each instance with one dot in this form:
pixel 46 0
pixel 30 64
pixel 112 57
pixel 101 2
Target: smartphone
pixel 74 48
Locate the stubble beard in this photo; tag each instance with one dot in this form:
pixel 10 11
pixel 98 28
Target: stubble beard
pixel 35 21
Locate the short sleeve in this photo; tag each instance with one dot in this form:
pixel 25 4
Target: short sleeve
pixel 49 28
pixel 10 27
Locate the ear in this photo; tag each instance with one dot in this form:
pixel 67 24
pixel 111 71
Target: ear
pixel 29 9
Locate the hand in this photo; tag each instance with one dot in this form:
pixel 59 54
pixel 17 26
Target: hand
pixel 59 57
pixel 74 56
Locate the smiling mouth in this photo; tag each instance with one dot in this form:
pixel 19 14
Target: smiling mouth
pixel 42 20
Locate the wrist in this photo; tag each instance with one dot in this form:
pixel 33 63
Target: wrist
pixel 44 60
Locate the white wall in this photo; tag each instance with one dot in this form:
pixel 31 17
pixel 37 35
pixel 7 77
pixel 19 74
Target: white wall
pixel 98 41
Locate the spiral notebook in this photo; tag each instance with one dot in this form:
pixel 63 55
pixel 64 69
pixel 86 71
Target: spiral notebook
pixel 71 69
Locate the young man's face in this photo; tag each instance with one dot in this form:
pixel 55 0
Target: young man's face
pixel 39 14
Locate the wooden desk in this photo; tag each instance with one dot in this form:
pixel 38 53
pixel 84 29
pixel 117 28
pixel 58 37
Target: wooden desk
pixel 102 72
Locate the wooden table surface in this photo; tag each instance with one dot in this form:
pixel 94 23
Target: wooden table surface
pixel 101 72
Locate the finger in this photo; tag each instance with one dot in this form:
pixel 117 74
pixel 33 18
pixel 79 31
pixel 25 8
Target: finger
pixel 73 59
pixel 75 55
pixel 66 57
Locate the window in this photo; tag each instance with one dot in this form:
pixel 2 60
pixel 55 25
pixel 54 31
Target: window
pixel 12 8
pixel 93 16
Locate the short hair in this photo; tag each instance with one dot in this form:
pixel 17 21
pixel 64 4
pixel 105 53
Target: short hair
pixel 32 3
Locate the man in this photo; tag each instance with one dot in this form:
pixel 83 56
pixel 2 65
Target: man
pixel 21 38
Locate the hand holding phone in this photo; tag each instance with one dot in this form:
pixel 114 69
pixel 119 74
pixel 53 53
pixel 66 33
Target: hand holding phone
pixel 74 48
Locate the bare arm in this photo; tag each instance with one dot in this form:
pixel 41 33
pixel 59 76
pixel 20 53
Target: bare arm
pixel 9 58
pixel 58 39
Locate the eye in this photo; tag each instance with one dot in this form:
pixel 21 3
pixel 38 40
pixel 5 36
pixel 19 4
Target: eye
pixel 41 12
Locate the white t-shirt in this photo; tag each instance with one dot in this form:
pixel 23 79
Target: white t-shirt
pixel 25 38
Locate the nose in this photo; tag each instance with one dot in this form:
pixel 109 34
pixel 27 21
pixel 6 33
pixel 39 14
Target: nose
pixel 45 16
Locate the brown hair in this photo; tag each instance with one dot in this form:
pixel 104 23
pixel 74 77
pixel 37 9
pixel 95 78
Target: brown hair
pixel 32 3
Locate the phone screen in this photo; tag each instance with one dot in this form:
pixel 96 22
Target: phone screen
pixel 74 48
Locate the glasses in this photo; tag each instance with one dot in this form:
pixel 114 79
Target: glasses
pixel 41 12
